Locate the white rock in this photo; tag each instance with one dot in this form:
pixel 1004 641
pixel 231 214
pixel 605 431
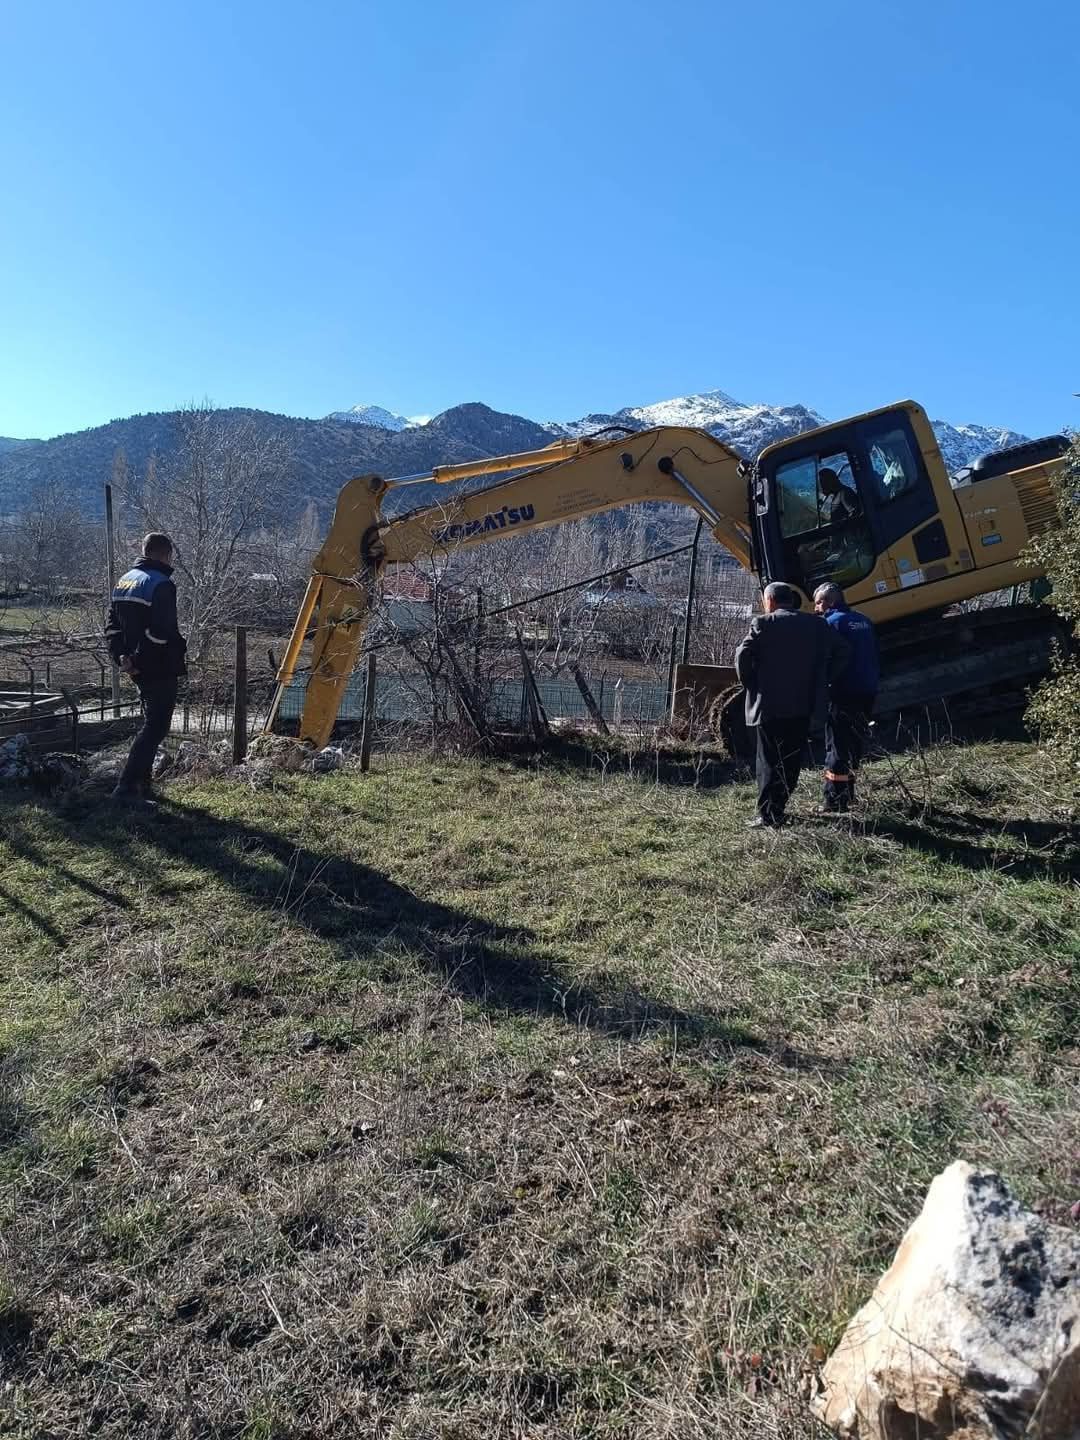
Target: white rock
pixel 189 754
pixel 973 1331
pixel 278 752
pixel 16 759
pixel 20 766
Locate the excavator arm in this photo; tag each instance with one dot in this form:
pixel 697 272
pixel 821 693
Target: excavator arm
pixel 565 481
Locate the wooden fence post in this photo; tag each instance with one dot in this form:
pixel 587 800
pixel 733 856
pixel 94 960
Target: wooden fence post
pixel 467 700
pixel 239 738
pixel 479 638
pixel 590 700
pixel 537 714
pixel 369 715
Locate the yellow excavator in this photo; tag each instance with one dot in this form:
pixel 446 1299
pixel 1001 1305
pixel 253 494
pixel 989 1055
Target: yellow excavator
pixel 866 502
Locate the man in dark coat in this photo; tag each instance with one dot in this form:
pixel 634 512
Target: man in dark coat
pixel 785 665
pixel 851 697
pixel 144 640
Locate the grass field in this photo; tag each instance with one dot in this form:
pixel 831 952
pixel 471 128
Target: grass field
pixel 17 620
pixel 507 1098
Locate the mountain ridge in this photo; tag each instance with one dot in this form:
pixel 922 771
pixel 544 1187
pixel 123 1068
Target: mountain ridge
pixel 748 428
pixel 327 452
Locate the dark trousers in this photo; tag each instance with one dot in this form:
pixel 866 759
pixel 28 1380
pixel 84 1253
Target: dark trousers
pixel 780 746
pixel 159 701
pixel 846 731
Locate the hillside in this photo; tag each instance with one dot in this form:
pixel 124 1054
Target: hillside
pixel 494 1099
pixel 326 453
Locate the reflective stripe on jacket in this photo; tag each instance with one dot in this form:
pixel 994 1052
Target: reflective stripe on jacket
pixel 142 621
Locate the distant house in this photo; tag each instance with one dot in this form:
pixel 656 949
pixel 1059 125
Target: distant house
pixel 408 585
pixel 408 604
pixel 623 592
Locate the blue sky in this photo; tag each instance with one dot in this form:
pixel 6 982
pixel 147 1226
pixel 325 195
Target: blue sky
pixel 554 206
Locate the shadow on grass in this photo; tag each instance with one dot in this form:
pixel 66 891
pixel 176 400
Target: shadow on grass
pixel 683 765
pixel 19 846
pixel 707 767
pixel 25 850
pixel 360 910
pixel 1050 851
pixel 39 922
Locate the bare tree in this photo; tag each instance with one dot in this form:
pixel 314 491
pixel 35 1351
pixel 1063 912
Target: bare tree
pixel 213 495
pixel 46 543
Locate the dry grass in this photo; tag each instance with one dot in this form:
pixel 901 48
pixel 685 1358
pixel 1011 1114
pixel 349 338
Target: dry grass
pixel 530 1099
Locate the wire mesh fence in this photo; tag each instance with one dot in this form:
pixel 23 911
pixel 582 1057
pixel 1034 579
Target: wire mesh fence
pixel 447 651
pixel 619 700
pixel 404 701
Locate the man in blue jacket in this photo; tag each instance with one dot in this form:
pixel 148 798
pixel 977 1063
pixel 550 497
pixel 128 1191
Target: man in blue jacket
pixel 144 640
pixel 851 697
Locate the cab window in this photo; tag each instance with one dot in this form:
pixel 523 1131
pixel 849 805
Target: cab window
pixel 894 470
pixel 797 496
pixel 824 528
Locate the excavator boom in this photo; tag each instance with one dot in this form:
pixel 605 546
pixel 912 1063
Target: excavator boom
pixel 567 481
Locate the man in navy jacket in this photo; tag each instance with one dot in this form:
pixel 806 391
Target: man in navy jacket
pixel 851 697
pixel 144 640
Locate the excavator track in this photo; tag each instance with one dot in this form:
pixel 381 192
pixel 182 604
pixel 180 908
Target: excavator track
pixel 977 662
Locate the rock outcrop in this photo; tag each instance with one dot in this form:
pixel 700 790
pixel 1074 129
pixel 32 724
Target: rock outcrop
pixel 20 765
pixel 974 1331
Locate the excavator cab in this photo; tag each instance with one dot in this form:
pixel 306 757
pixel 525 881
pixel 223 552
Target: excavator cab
pixel 836 503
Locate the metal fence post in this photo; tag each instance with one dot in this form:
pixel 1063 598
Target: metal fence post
pixel 671 670
pixel 367 732
pixel 73 707
pixel 239 739
pixel 110 550
pixel 690 595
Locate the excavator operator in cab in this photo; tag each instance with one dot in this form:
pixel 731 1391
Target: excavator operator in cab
pixel 840 501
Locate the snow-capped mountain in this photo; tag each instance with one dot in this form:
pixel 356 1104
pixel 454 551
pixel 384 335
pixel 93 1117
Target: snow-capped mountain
pixel 377 418
pixel 748 428
pixel 961 444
